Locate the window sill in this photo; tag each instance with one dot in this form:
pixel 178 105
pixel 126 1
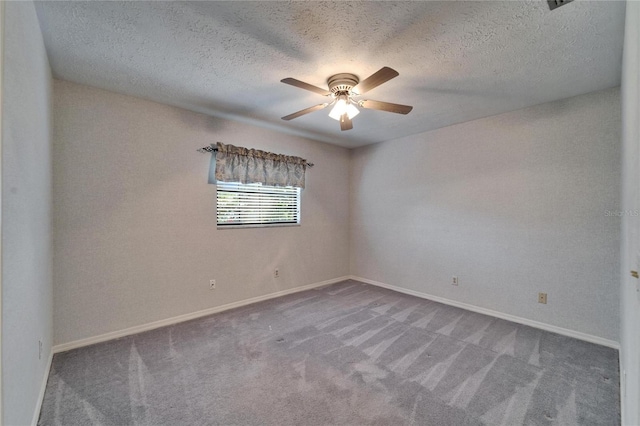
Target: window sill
pixel 275 225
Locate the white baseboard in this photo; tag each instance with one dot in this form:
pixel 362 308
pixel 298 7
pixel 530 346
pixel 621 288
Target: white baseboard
pixel 536 324
pixel 43 388
pixel 193 315
pixel 186 317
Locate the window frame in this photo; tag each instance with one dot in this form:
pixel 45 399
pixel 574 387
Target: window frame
pixel 229 186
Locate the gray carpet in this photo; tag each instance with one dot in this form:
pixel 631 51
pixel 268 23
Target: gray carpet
pixel 349 353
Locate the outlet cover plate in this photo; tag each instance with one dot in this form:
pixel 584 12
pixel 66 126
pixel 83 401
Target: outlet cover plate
pixel 542 298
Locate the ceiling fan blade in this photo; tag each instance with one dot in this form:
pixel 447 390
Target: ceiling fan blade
pixel 383 75
pixel 345 122
pixel 306 86
pixel 305 111
pixel 386 106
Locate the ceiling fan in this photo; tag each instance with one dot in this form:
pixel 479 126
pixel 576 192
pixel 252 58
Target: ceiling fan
pixel 343 91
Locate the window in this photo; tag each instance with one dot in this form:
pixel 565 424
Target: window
pixel 254 204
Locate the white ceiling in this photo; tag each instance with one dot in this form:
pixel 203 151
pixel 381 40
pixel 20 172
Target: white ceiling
pixel 458 61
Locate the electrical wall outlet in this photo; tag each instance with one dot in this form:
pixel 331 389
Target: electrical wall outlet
pixel 454 280
pixel 39 349
pixel 636 275
pixel 542 298
pixel 212 284
pixel 276 273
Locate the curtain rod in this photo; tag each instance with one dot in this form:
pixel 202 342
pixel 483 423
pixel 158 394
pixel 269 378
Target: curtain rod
pixel 210 148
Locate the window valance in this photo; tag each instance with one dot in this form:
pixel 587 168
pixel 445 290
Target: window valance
pixel 245 165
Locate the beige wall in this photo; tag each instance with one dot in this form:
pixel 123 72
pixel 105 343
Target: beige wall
pixel 135 219
pixel 26 214
pixel 512 204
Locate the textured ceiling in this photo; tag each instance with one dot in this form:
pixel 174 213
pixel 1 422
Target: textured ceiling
pixel 457 61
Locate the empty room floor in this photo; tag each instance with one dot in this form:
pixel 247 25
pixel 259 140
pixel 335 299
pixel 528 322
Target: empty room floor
pixel 348 353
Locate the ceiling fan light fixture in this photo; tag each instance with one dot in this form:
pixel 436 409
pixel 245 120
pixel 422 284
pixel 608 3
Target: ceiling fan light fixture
pixel 352 111
pixel 344 105
pixel 339 108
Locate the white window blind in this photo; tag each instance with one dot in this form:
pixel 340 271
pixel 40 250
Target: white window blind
pixel 254 204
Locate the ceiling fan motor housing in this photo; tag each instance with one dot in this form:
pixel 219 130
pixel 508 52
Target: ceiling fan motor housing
pixel 342 83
